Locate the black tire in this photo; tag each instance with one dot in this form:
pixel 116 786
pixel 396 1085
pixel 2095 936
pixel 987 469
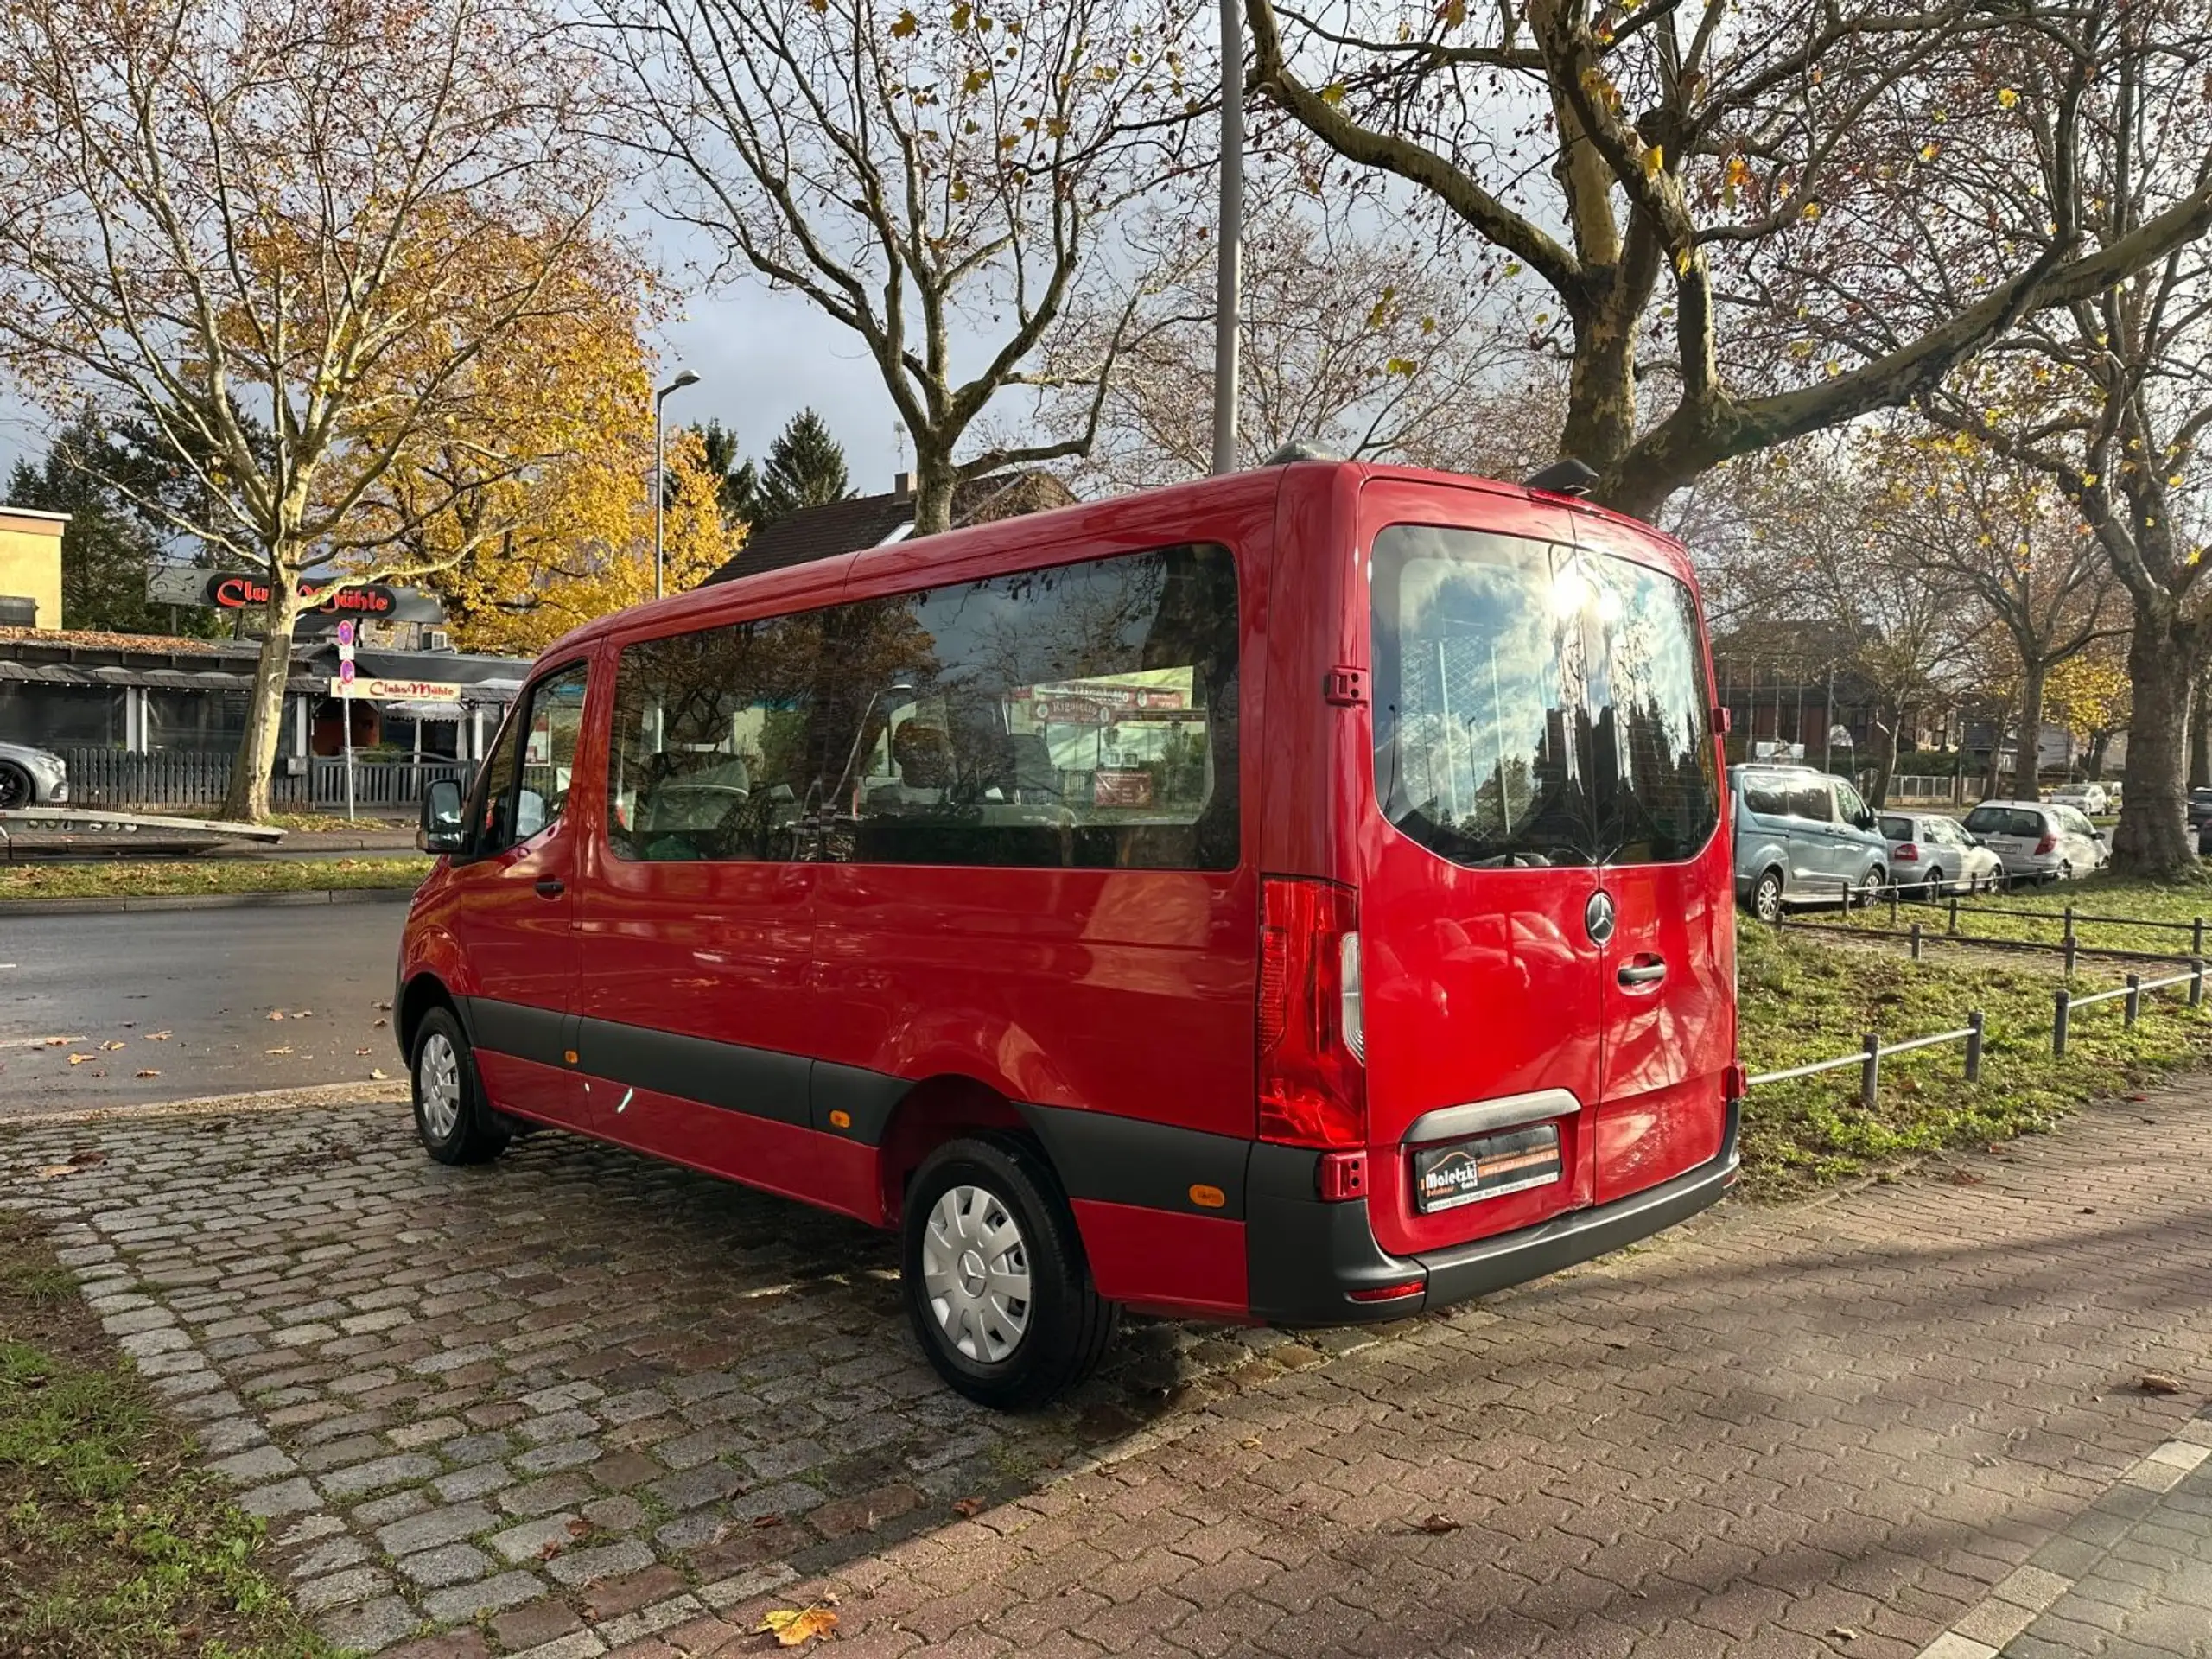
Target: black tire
pixel 442 1060
pixel 1064 1324
pixel 1766 896
pixel 1869 888
pixel 15 789
pixel 1931 889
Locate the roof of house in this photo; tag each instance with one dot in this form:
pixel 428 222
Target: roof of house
pixel 871 520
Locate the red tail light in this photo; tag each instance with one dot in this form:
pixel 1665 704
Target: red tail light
pixel 1312 1085
pixel 2048 844
pixel 1906 852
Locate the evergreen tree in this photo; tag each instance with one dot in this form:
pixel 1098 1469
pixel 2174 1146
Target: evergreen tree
pixel 805 468
pixel 106 548
pixel 738 482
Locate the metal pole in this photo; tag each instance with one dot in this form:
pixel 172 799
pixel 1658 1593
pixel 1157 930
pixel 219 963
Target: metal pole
pixel 2134 1000
pixel 2069 956
pixel 2196 982
pixel 2196 936
pixel 660 488
pixel 2061 1000
pixel 346 721
pixel 1974 1046
pixel 1870 1072
pixel 1828 737
pixel 1915 941
pixel 1229 236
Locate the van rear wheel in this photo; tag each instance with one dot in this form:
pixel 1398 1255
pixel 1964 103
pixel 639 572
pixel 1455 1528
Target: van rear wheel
pixel 1766 896
pixel 451 1117
pixel 993 1269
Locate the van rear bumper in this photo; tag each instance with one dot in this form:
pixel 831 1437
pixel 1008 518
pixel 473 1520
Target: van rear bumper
pixel 1308 1260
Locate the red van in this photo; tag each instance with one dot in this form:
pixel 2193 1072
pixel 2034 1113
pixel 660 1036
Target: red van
pixel 1298 897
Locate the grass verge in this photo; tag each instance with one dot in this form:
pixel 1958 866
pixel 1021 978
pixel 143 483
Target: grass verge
pixel 112 1545
pixel 138 880
pixel 1807 997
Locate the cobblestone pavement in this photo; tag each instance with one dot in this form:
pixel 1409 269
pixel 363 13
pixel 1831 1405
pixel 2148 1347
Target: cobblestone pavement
pixel 576 1402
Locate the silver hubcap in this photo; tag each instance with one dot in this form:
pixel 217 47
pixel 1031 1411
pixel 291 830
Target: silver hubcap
pixel 437 1084
pixel 1770 900
pixel 975 1273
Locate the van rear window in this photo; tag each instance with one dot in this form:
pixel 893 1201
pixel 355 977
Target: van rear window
pixel 1535 705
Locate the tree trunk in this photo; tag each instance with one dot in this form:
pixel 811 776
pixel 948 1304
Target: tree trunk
pixel 247 800
pixel 2027 749
pixel 1885 758
pixel 934 481
pixel 2153 836
pixel 1992 775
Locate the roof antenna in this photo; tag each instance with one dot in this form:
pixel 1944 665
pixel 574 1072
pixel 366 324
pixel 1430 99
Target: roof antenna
pixel 1564 476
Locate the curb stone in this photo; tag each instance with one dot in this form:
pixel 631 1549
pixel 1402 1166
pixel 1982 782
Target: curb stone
pixel 204 901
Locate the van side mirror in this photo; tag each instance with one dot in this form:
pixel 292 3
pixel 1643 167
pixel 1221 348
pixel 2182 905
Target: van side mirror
pixel 440 830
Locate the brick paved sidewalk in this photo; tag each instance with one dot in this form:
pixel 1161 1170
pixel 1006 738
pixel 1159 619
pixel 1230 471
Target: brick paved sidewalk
pixel 575 1402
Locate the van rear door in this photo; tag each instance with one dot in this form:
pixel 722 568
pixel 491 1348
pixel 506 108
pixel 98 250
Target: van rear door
pixel 1477 864
pixel 1664 870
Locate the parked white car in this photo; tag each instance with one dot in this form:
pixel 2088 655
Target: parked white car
pixel 1939 855
pixel 2040 841
pixel 2091 798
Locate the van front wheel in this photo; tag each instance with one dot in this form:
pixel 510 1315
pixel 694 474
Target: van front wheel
pixel 996 1286
pixel 450 1115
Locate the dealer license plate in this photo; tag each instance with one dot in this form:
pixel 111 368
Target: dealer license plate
pixel 1466 1172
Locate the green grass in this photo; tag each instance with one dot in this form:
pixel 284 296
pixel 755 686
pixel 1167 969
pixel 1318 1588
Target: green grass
pixel 1807 997
pixel 111 1546
pixel 2038 914
pixel 118 880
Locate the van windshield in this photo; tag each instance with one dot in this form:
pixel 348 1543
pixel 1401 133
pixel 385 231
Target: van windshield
pixel 1537 706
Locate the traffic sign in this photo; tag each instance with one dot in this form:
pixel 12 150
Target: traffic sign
pixel 345 675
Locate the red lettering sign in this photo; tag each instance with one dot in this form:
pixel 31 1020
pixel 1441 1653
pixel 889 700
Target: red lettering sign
pixel 237 593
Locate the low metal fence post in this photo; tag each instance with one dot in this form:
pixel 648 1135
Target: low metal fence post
pixel 2061 999
pixel 1974 1046
pixel 2134 997
pixel 2069 926
pixel 2196 982
pixel 1870 1072
pixel 1915 941
pixel 2069 948
pixel 2197 936
pixel 1893 901
pixel 1953 929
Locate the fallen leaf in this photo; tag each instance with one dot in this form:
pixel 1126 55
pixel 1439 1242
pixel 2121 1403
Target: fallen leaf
pixel 1963 1177
pixel 147 1073
pixel 375 1074
pixel 549 1549
pixel 969 1507
pixel 111 1048
pixel 794 1627
pixel 579 1528
pixel 276 1013
pixel 376 1023
pixel 304 1014
pixel 1251 1443
pixel 2088 1209
pixel 276 1051
pixel 158 1036
pixel 2159 1383
pixel 1996 1149
pixel 51 1171
pixel 364 1051
pixel 86 1160
pixel 1439 1523
pixel 59 1042
pixel 1842 1634
pixel 79 1059
pixel 386 1007
pixel 761 1522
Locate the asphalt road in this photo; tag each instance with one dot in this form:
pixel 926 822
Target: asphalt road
pixel 211 980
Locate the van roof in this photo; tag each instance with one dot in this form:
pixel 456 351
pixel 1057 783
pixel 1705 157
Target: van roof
pixel 820 581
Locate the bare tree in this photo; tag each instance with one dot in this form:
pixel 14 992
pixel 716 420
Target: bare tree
pixel 292 239
pixel 1357 335
pixel 2109 398
pixel 1726 200
pixel 1973 522
pixel 944 184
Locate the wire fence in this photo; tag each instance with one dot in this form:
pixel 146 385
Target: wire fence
pixel 1960 912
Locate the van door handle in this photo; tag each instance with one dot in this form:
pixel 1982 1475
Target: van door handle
pixel 551 887
pixel 1645 970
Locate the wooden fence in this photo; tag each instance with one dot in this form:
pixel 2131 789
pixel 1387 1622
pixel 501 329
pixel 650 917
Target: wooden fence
pixel 181 778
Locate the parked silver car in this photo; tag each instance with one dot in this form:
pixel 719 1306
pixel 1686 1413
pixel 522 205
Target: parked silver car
pixel 2091 798
pixel 1803 837
pixel 1940 855
pixel 2040 841
pixel 31 777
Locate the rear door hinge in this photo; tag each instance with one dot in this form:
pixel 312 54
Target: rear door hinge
pixel 1345 686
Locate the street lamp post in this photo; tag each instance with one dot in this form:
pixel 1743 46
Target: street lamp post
pixel 660 486
pixel 1229 236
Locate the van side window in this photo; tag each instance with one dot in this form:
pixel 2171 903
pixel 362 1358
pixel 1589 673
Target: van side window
pixel 1810 801
pixel 1766 798
pixel 527 778
pixel 712 746
pixel 1081 716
